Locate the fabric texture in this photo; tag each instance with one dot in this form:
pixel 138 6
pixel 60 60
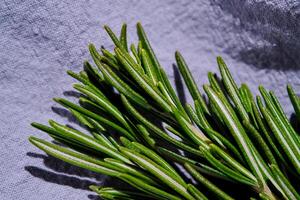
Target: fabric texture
pixel 40 40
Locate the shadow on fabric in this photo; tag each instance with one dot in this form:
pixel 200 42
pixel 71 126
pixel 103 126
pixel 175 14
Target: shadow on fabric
pixel 274 30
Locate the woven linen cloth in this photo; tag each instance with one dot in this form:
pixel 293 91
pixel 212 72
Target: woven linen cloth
pixel 40 40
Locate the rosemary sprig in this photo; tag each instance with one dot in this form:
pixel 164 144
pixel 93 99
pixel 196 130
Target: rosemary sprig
pixel 230 138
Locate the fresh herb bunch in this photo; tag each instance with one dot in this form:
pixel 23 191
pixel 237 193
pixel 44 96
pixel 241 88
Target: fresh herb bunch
pixel 227 142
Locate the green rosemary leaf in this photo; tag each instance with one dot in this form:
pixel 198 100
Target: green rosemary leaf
pixel 137 62
pixel 195 134
pixel 264 196
pixel 113 37
pixel 244 99
pixel 267 173
pixel 103 102
pixel 109 57
pixel 295 101
pixel 127 143
pixel 285 119
pixel 110 64
pixel 189 80
pixel 248 99
pixel 216 117
pixel 236 130
pixel 94 116
pixel 212 134
pixel 77 77
pixel 146 45
pixel 260 141
pixel 112 194
pixel 281 139
pixel 230 161
pixel 175 156
pixel 81 119
pixel 214 83
pixel 148 189
pixel 95 125
pixel 196 193
pixel 192 114
pixel 165 93
pixel 226 170
pixel 132 62
pixel 206 183
pixel 104 140
pixel 84 75
pixel 285 131
pixel 143 83
pixel 175 132
pixel 232 89
pixel 111 197
pixel 146 135
pixel 224 143
pixel 149 70
pixel 85 82
pixel 200 166
pixel 264 128
pixel 56 135
pixel 289 190
pixel 139 49
pixel 125 168
pixel 93 71
pixel 115 81
pixel 86 140
pixel 90 105
pixel 158 160
pixel 123 36
pixel 73 157
pixel 157 171
pixel 201 116
pixel 157 130
pixel 137 58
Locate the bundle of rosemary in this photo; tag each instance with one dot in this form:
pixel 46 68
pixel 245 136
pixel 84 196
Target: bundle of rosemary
pixel 224 142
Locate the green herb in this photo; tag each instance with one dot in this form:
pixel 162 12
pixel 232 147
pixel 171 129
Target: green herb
pixel 228 140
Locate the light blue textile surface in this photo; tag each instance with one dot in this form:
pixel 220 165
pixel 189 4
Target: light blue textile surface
pixel 40 40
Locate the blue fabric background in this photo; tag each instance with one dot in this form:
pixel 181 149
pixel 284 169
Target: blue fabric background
pixel 40 40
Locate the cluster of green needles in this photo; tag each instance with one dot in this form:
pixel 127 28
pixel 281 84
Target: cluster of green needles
pixel 138 131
